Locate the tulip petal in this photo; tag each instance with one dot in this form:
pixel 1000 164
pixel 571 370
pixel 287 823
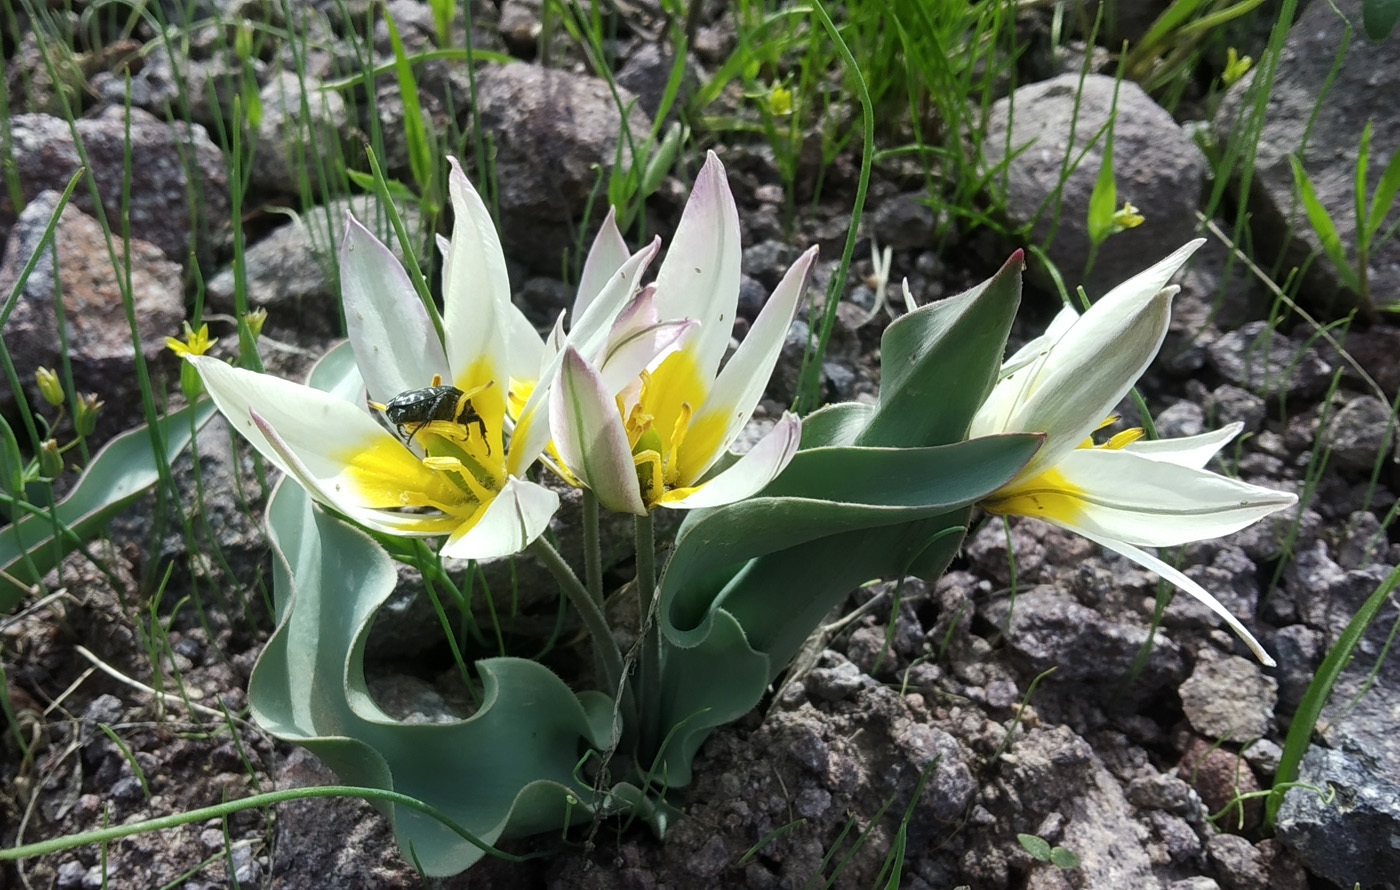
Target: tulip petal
pixel 605 257
pixel 1132 498
pixel 590 438
pixel 745 376
pixel 1181 581
pixel 288 424
pixel 476 290
pixel 1186 451
pixel 700 275
pixel 588 335
pixel 746 476
pixel 1086 375
pixel 396 346
pixel 636 339
pixel 518 515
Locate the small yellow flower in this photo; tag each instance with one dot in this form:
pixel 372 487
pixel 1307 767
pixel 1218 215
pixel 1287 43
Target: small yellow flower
pixel 195 342
pixel 1127 218
pixel 780 101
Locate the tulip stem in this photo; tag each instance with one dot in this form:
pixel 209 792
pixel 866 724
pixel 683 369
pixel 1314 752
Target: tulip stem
pixel 592 549
pixel 649 662
pixel 608 654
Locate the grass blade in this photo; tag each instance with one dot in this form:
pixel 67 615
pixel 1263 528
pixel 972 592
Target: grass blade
pixel 1310 708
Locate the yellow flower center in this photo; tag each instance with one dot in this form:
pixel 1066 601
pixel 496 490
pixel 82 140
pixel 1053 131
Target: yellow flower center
pixel 669 444
pixel 1049 495
pixel 460 470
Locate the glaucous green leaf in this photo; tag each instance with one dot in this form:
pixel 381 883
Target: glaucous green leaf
pixel 938 363
pixel 119 473
pixel 506 770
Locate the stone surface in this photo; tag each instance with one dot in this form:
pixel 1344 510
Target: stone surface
pixel 1354 838
pixel 1359 434
pixel 292 271
pixel 1156 165
pixel 1229 698
pixel 553 133
pixel 177 179
pixel 1358 91
pixel 99 340
pixel 1269 363
pixel 300 120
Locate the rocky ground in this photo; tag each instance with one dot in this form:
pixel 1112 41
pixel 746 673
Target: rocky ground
pixel 1143 769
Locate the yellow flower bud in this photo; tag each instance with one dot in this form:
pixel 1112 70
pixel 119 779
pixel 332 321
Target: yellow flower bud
pixel 255 319
pixel 50 459
pixel 85 418
pixel 780 101
pixel 49 386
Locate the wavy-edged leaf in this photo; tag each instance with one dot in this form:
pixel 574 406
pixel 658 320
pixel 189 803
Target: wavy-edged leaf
pixel 119 473
pixel 507 770
pixel 748 582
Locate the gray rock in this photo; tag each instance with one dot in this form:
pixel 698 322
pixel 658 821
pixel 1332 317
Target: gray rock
pixel 1354 838
pixel 1157 167
pixel 1298 650
pixel 1229 403
pixel 1238 864
pixel 291 135
pixel 553 132
pixel 1229 698
pixel 99 344
pixel 1358 90
pixel 1054 769
pixel 175 171
pixel 1269 363
pixel 903 222
pixel 292 272
pixel 1359 434
pixel 1047 627
pixel 647 72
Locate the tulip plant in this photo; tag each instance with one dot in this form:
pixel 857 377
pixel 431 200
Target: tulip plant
pixel 454 437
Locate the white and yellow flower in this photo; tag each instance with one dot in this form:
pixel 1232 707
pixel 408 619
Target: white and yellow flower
pixel 445 477
pixel 1127 493
pixel 646 430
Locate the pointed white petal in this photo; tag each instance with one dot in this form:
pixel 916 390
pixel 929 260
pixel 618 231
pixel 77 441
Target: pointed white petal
pixel 1155 503
pixel 518 514
pixel 590 329
pixel 1187 451
pixel 637 338
pixel 998 413
pixel 476 289
pixel 395 343
pixel 605 257
pixel 1086 375
pixel 590 438
pixel 749 474
pixel 1140 287
pixel 588 335
pixel 700 276
pixel 291 425
pixel 745 376
pixel 1172 575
